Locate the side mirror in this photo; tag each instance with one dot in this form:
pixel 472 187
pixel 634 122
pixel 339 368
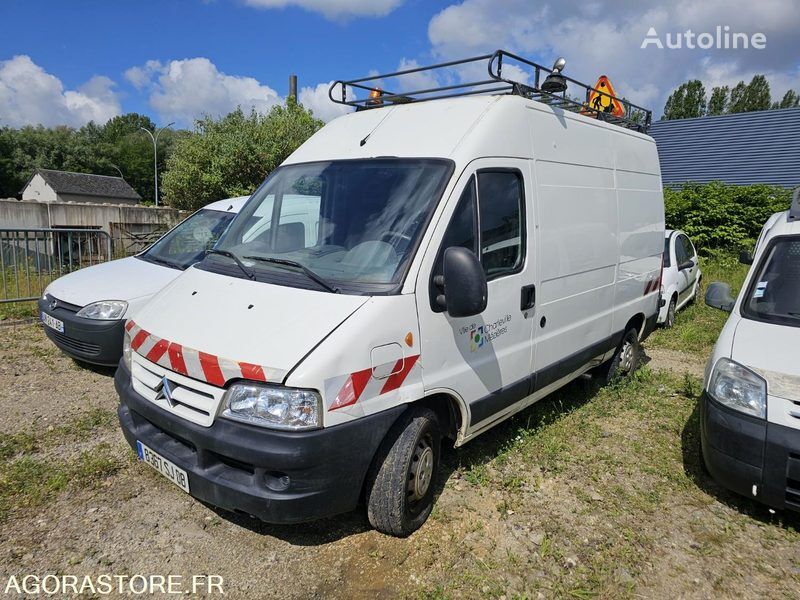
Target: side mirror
pixel 718 295
pixel 687 264
pixel 745 257
pixel 465 292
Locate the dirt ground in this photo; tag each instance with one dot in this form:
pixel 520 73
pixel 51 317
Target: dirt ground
pixel 591 493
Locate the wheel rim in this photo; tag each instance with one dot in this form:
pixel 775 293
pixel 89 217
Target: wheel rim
pixel 626 356
pixel 671 314
pixel 420 472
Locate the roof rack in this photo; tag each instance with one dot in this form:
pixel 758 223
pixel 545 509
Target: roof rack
pixel 794 209
pixel 635 117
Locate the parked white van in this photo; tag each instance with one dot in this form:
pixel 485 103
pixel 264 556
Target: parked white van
pixel 84 312
pixel 750 409
pixel 471 255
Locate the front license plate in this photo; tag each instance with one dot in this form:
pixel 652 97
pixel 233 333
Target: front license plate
pixel 53 323
pixel 167 468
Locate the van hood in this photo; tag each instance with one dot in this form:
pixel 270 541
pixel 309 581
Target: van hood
pixel 123 279
pixel 771 351
pixel 240 325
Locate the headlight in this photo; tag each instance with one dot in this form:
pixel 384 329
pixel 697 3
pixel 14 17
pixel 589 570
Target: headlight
pixel 105 310
pixel 276 407
pixel 126 349
pixel 737 387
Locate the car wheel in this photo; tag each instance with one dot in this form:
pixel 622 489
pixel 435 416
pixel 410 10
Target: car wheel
pixel 625 360
pixel 671 310
pixel 402 479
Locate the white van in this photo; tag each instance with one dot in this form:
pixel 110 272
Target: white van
pixel 471 255
pixel 84 312
pixel 750 408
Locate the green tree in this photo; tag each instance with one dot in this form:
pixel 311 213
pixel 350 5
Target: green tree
pixel 718 100
pixel 232 155
pixel 790 100
pixel 750 97
pixel 687 101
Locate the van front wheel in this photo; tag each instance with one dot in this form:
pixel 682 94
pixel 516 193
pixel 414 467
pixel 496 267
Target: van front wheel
pixel 401 482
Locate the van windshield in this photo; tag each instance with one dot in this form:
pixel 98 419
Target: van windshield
pixel 187 243
pixel 774 295
pixel 353 224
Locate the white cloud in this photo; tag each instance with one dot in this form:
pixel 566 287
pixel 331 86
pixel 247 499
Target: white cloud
pixel 605 38
pixel 183 90
pixel 335 9
pixel 317 99
pixel 30 96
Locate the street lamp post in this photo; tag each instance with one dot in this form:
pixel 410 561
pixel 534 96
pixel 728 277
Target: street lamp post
pixel 154 139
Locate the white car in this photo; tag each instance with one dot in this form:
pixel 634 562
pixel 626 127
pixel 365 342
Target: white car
pixel 680 276
pixel 750 408
pixel 83 312
pixel 411 272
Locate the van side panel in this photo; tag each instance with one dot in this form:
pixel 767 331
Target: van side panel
pixel 577 243
pixel 641 228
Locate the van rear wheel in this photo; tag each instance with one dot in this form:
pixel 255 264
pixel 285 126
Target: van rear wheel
pixel 625 360
pixel 401 482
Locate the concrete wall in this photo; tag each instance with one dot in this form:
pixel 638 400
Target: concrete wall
pixel 95 199
pixel 16 213
pixel 39 191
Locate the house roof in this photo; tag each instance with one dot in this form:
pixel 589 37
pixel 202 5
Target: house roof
pixel 741 148
pixel 86 184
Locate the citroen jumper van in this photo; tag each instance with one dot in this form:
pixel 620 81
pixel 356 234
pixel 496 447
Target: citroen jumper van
pixel 469 255
pixel 84 312
pixel 750 407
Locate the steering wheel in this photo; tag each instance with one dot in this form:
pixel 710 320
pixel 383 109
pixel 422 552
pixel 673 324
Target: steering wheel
pixel 401 235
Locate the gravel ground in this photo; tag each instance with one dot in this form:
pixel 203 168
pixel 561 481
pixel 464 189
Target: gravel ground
pixel 590 494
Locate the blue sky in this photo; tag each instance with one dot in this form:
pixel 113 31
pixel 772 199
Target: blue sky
pixel 66 62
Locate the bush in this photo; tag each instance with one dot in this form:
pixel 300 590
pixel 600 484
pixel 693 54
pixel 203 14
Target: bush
pixel 717 216
pixel 232 155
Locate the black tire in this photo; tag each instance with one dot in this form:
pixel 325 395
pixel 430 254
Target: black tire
pixel 625 360
pixel 402 480
pixel 669 322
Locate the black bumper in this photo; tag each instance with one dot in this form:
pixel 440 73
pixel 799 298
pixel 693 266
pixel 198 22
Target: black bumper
pixel 741 452
pixel 243 468
pixel 89 340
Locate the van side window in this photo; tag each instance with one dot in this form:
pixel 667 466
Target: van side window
pixel 500 210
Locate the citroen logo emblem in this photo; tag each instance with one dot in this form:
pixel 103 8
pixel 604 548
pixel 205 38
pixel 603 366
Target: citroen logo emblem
pixel 165 393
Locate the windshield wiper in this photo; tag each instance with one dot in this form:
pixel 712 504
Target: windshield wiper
pixel 292 263
pixel 250 275
pixel 163 261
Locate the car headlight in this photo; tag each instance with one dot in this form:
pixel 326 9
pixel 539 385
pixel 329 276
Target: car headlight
pixel 126 349
pixel 739 388
pixel 105 310
pixel 271 406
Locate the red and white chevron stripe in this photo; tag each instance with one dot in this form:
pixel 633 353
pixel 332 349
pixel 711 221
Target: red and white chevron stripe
pixel 361 384
pixel 194 363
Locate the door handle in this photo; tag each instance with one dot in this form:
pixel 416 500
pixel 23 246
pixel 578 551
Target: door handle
pixel 528 298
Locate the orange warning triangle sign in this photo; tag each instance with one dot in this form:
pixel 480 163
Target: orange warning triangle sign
pixel 605 102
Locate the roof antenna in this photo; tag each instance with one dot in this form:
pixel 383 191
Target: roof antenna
pixel 374 129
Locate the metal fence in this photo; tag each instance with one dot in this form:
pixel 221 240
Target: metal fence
pixel 31 258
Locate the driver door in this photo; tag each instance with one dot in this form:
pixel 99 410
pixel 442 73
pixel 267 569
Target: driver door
pixel 485 359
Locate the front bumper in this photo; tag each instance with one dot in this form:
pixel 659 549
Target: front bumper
pixel 242 468
pixel 750 456
pixel 89 340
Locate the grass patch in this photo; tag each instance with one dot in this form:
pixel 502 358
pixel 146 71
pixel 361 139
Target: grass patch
pixel 29 442
pixel 28 482
pixel 697 326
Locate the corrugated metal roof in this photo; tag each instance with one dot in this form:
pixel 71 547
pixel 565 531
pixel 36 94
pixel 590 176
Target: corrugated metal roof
pixel 743 148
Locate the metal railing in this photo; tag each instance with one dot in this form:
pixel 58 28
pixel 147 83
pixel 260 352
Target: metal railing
pixel 31 258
